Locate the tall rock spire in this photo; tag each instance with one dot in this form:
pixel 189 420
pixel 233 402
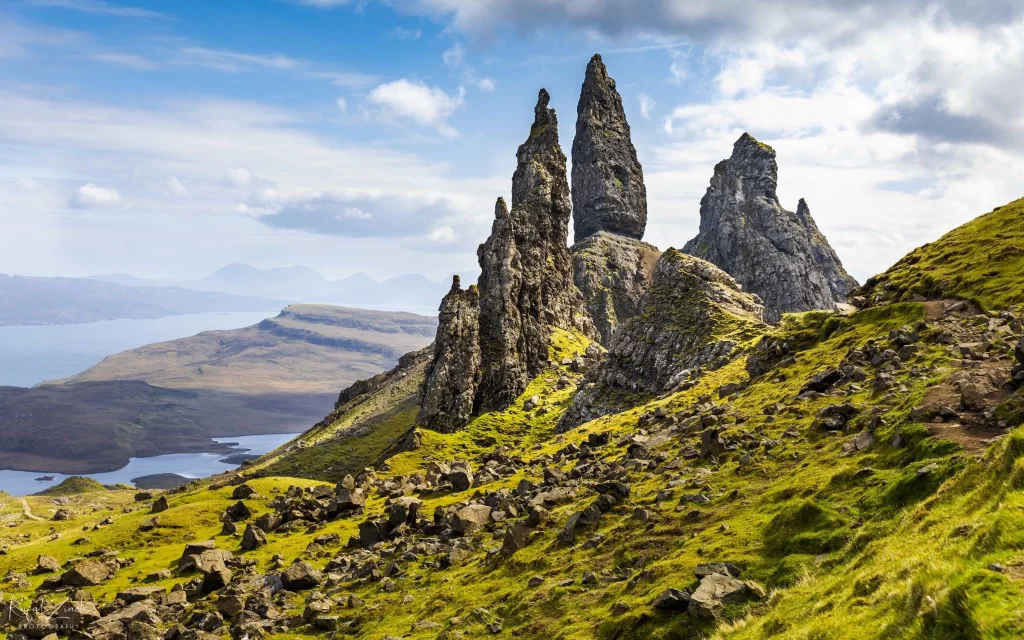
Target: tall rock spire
pixel 454 371
pixel 608 192
pixel 526 285
pixel 493 338
pixel 777 254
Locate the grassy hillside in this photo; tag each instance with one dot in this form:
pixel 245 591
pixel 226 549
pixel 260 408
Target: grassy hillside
pixel 981 261
pixel 851 469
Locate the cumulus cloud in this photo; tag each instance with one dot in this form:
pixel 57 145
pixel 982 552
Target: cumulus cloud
pixel 486 84
pixel 342 104
pixel 90 196
pixel 412 100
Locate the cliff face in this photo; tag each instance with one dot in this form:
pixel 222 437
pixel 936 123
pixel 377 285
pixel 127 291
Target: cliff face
pixel 608 192
pixel 693 317
pixel 613 273
pixel 777 254
pixel 455 369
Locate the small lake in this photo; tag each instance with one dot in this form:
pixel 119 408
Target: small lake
pixel 32 354
pixel 189 465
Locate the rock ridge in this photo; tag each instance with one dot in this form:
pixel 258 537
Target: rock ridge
pixel 777 254
pixel 694 317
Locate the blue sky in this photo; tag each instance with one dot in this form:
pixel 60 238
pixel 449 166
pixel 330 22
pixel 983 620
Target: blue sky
pixel 166 139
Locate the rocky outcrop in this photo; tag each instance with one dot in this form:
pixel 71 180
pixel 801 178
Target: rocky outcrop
pixel 777 254
pixel 454 371
pixel 612 272
pixel 526 286
pixel 694 317
pixel 608 192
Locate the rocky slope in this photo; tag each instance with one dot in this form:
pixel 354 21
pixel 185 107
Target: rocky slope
pixel 693 318
pixel 832 476
pixel 777 254
pixel 612 272
pixel 608 191
pixel 857 477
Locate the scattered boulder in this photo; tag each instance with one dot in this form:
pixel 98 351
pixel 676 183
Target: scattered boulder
pixel 301 576
pixel 86 574
pixel 47 564
pixel 253 538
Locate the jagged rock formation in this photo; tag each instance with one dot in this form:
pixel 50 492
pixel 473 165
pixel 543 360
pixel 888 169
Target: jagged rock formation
pixel 612 272
pixel 455 369
pixel 693 317
pixel 526 285
pixel 608 192
pixel 779 255
pixel 493 338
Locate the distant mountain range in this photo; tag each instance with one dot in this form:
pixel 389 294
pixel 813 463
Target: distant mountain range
pixel 28 300
pixel 303 284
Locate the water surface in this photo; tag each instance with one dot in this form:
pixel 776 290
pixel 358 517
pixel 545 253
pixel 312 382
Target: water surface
pixel 33 354
pixel 189 465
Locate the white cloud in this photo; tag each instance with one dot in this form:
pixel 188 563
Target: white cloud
pixel 90 196
pixel 486 84
pixel 175 186
pixel 442 235
pixel 130 60
pixel 238 177
pixel 678 70
pixel 342 104
pixel 26 183
pixel 413 100
pixel 454 57
pixel 355 213
pixel 101 8
pixel 234 61
pixel 401 33
pixel 646 104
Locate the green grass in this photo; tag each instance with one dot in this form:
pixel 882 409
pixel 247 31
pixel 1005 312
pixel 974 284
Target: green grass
pixel 844 554
pixel 980 261
pixel 73 485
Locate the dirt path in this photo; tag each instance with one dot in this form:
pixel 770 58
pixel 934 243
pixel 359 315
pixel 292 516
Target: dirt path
pixel 28 510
